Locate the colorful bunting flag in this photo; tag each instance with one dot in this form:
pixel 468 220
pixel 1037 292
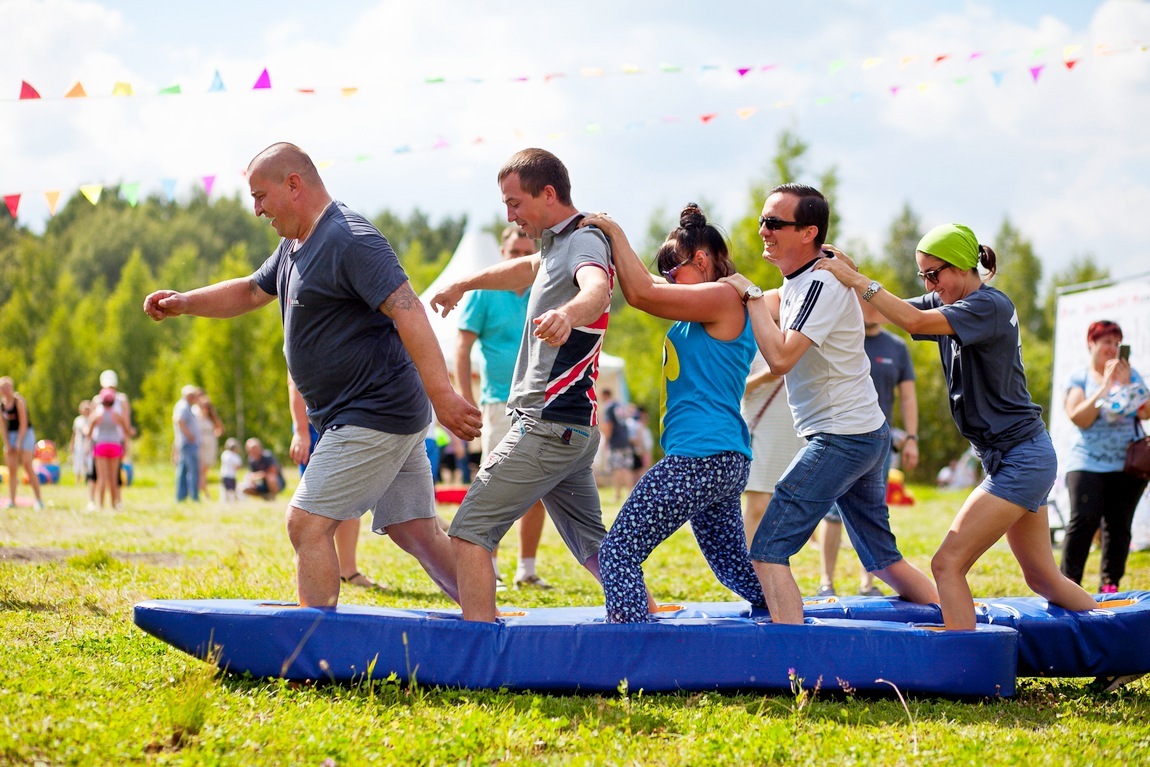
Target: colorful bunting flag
pixel 53 198
pixel 13 203
pixel 76 92
pixel 209 182
pixel 122 89
pixel 27 91
pixel 92 192
pixel 1035 72
pixel 217 83
pixel 169 186
pixel 1070 63
pixel 264 82
pixel 131 192
pixel 171 90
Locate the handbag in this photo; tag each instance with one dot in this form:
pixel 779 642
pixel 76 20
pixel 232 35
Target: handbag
pixel 1138 454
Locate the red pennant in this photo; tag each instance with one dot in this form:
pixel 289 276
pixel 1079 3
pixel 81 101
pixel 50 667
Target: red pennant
pixel 707 118
pixel 27 91
pixel 13 202
pixel 1071 62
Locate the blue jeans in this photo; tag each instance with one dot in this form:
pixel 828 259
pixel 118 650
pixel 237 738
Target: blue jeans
pixel 847 468
pixel 188 472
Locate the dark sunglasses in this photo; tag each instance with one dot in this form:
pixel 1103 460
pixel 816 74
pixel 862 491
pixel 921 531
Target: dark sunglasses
pixel 669 275
pixel 773 224
pixel 931 275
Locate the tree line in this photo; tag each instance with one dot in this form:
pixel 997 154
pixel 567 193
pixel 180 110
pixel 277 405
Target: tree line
pixel 70 303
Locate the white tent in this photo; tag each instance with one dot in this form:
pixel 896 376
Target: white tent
pixel 478 250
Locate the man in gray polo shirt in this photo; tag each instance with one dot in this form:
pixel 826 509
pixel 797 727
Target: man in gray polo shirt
pixel 548 453
pixel 362 353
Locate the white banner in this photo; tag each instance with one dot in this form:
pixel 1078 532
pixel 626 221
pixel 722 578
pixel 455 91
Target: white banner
pixel 1128 304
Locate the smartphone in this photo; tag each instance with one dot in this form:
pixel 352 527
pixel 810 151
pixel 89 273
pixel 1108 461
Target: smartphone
pixel 1124 352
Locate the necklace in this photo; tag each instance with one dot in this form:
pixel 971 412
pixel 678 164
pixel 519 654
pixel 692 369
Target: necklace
pixel 297 243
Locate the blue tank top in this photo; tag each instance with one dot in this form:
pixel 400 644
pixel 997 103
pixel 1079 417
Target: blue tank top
pixel 703 384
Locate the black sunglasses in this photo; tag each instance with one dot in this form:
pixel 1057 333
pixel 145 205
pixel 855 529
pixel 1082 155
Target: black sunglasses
pixel 773 224
pixel 931 275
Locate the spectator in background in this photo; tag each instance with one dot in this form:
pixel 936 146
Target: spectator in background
pixel 264 477
pixel 774 442
pixel 230 463
pixel 81 447
pixel 110 380
pixel 211 429
pixel 187 445
pixel 642 442
pixel 20 443
pixel 620 455
pixel 1099 402
pixel 107 428
pixel 892 373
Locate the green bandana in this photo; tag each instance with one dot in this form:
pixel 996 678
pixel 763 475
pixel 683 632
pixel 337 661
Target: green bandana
pixel 953 243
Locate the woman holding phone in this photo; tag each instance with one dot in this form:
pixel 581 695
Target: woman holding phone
pixel 1099 402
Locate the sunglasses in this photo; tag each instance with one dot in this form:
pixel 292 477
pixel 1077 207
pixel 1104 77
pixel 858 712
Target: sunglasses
pixel 931 275
pixel 669 275
pixel 773 224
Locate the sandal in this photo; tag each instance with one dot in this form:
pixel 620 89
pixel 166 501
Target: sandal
pixel 359 579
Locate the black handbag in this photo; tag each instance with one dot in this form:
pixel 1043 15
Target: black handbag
pixel 1138 453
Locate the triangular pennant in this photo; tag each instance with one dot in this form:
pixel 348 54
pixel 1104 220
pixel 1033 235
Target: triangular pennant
pixel 217 83
pixel 1070 51
pixel 962 80
pixel 976 55
pixel 52 198
pixel 998 75
pixel 822 101
pixel 707 117
pixel 122 89
pixel 745 112
pixel 671 68
pixel 209 182
pixel 92 192
pixel 924 87
pixel 871 63
pixel 170 90
pixel 434 80
pixel 592 72
pixel 553 76
pixel 1036 72
pixel 742 71
pixel 894 89
pixel 27 91
pixel 941 58
pixel 264 82
pixel 169 185
pixel 593 128
pixel 835 66
pixel 308 91
pixel 631 69
pixel 77 92
pixel 1070 63
pixel 13 203
pixel 131 192
pixel 348 91
pixel 906 60
pixel 440 143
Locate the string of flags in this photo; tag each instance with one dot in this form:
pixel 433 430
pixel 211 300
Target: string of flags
pixel 1070 58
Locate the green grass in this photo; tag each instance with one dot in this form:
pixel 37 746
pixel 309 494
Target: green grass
pixel 80 684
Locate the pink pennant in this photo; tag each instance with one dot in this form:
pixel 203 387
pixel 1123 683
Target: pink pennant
pixel 708 117
pixel 209 181
pixel 1036 72
pixel 264 83
pixel 894 90
pixel 27 91
pixel 743 71
pixel 13 203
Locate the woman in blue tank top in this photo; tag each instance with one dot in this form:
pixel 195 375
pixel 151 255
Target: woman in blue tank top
pixel 707 355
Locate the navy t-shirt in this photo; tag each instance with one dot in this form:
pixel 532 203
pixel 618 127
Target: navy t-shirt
pixel 345 356
pixel 983 364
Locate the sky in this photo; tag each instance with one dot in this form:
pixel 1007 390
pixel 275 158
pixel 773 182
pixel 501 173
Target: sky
pixel 968 111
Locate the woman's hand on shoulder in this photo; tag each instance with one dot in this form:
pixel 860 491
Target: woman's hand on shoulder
pixel 843 268
pixel 602 221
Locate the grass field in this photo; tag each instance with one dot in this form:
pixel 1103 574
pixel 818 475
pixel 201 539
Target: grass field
pixel 80 684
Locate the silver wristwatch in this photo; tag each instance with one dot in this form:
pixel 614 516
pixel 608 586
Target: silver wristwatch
pixel 871 289
pixel 752 292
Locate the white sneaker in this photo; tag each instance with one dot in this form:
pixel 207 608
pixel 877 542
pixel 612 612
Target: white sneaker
pixel 1112 683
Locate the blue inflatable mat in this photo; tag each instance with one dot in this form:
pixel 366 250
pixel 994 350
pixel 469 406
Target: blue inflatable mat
pixel 697 647
pixel 1112 640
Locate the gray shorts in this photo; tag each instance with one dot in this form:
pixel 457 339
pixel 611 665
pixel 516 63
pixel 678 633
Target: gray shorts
pixel 354 470
pixel 536 460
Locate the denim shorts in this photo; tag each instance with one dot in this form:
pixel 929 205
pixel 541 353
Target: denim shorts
pixel 1024 474
pixel 29 444
pixel 847 468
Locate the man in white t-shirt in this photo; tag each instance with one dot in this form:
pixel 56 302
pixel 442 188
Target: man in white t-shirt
pixel 818 348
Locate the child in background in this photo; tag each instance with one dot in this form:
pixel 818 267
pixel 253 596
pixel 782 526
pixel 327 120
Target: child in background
pixel 230 462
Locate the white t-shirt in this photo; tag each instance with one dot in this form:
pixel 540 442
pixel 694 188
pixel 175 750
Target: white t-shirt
pixel 829 389
pixel 230 463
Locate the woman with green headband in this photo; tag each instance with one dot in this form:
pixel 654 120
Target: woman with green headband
pixel 976 329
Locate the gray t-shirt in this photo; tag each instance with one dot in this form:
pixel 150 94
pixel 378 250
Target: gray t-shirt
pixel 345 356
pixel 890 366
pixel 555 384
pixel 983 365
